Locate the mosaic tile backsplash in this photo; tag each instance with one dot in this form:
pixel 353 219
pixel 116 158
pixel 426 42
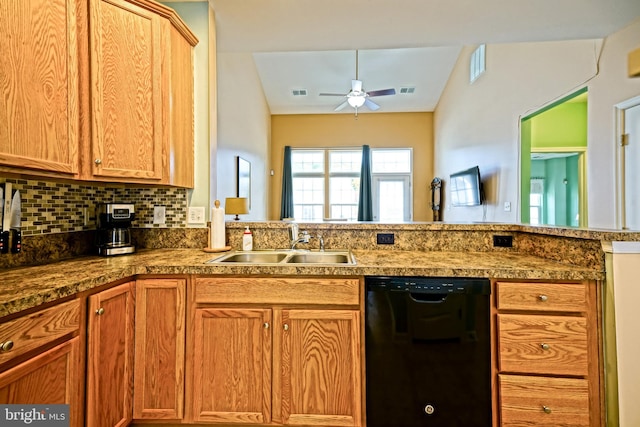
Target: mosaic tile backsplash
pixel 54 207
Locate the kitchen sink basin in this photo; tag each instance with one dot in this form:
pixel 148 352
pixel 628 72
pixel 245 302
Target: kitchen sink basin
pixel 253 257
pixel 320 258
pixel 286 257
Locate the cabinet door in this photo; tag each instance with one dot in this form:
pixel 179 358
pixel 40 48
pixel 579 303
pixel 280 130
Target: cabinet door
pixel 110 357
pixel 39 119
pixel 126 102
pixel 232 365
pixel 52 377
pixel 160 347
pixel 178 102
pixel 320 367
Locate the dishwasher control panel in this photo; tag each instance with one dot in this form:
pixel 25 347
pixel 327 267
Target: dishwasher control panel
pixel 436 285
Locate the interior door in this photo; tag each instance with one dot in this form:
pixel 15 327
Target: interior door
pixel 631 174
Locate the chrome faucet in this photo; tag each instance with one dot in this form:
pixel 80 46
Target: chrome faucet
pixel 321 240
pixel 302 238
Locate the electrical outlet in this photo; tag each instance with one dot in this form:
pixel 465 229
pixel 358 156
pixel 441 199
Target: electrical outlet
pixel 159 215
pixel 507 206
pixel 385 238
pixel 196 215
pixel 502 241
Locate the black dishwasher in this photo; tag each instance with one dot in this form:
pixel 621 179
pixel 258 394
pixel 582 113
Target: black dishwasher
pixel 428 352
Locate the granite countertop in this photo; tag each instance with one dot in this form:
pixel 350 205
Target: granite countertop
pixel 27 287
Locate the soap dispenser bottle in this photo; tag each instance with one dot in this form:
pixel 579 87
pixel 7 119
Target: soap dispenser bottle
pixel 247 240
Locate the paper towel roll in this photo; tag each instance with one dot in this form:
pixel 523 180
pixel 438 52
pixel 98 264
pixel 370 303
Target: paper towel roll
pixel 218 238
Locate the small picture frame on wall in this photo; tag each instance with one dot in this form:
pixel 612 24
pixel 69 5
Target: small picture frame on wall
pixel 243 179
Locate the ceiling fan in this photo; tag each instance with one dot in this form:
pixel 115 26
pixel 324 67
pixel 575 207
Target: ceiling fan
pixel 357 97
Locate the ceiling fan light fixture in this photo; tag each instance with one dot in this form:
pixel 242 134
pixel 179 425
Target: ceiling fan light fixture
pixel 356 101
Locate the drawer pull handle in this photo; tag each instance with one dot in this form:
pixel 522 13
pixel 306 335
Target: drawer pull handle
pixel 546 409
pixel 100 311
pixel 543 298
pixel 266 325
pixel 285 327
pixel 98 161
pixel 6 346
pixel 545 346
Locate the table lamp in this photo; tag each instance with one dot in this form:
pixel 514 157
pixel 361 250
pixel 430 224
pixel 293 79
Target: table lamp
pixel 236 206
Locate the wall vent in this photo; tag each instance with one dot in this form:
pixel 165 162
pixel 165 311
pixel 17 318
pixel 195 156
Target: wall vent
pixel 299 92
pixel 407 90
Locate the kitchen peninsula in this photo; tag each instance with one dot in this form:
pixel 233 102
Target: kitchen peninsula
pixel 173 285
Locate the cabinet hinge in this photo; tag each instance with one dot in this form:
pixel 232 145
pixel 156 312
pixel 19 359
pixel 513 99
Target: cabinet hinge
pixel 624 139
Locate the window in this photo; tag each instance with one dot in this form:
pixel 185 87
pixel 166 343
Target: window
pixel 536 199
pixel 338 171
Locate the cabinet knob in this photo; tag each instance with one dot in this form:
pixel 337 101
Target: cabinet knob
pixel 543 298
pixel 266 325
pixel 100 311
pixel 545 346
pixel 6 346
pixel 285 326
pixel 546 409
pixel 97 161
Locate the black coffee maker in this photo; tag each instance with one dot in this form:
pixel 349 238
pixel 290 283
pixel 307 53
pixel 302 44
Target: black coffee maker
pixel 114 236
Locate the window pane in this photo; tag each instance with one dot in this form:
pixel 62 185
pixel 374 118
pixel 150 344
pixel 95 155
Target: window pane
pixel 345 161
pixel 307 161
pixel 391 200
pixel 344 190
pixel 391 161
pixel 350 212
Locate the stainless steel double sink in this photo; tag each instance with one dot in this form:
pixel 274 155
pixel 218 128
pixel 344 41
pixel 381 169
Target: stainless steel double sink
pixel 286 256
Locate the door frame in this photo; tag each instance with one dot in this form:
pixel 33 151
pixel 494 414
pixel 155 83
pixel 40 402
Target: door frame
pixel 620 198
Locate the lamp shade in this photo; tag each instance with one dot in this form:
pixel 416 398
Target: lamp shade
pixel 236 206
pixel 356 101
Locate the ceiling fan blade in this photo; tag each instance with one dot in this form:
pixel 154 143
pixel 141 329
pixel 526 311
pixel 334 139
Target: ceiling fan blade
pixel 356 86
pixel 341 106
pixel 371 105
pixel 332 94
pixel 382 92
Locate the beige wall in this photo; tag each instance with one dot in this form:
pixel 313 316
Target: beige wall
pixel 378 130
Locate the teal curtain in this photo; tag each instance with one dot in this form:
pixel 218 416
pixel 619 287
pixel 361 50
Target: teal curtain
pixel 365 202
pixel 286 204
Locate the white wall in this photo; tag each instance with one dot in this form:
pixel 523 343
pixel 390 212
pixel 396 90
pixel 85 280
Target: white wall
pixel 479 123
pixel 244 129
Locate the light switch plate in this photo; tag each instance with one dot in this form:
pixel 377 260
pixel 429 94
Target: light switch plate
pixel 159 215
pixel 196 215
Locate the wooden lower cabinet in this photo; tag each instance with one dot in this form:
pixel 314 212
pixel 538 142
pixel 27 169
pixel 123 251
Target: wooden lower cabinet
pixel 232 365
pixel 110 356
pixel 544 401
pixel 319 358
pixel 159 349
pixel 548 368
pixel 51 377
pixel 276 361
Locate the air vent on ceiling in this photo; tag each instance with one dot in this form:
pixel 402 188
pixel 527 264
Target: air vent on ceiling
pixel 407 90
pixel 299 92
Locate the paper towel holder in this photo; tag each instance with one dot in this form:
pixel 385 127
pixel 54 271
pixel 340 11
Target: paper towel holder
pixel 236 206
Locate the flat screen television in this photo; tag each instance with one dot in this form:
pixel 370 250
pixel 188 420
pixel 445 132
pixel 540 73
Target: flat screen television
pixel 466 187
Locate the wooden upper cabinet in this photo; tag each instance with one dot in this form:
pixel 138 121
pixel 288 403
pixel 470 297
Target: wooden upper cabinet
pixel 126 98
pixel 39 107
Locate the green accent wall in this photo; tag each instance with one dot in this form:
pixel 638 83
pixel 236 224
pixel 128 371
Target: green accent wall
pixel 563 126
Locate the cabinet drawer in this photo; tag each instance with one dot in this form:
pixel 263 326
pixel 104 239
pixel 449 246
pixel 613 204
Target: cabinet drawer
pixel 542 344
pixel 283 290
pixel 565 297
pixel 34 330
pixel 543 402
